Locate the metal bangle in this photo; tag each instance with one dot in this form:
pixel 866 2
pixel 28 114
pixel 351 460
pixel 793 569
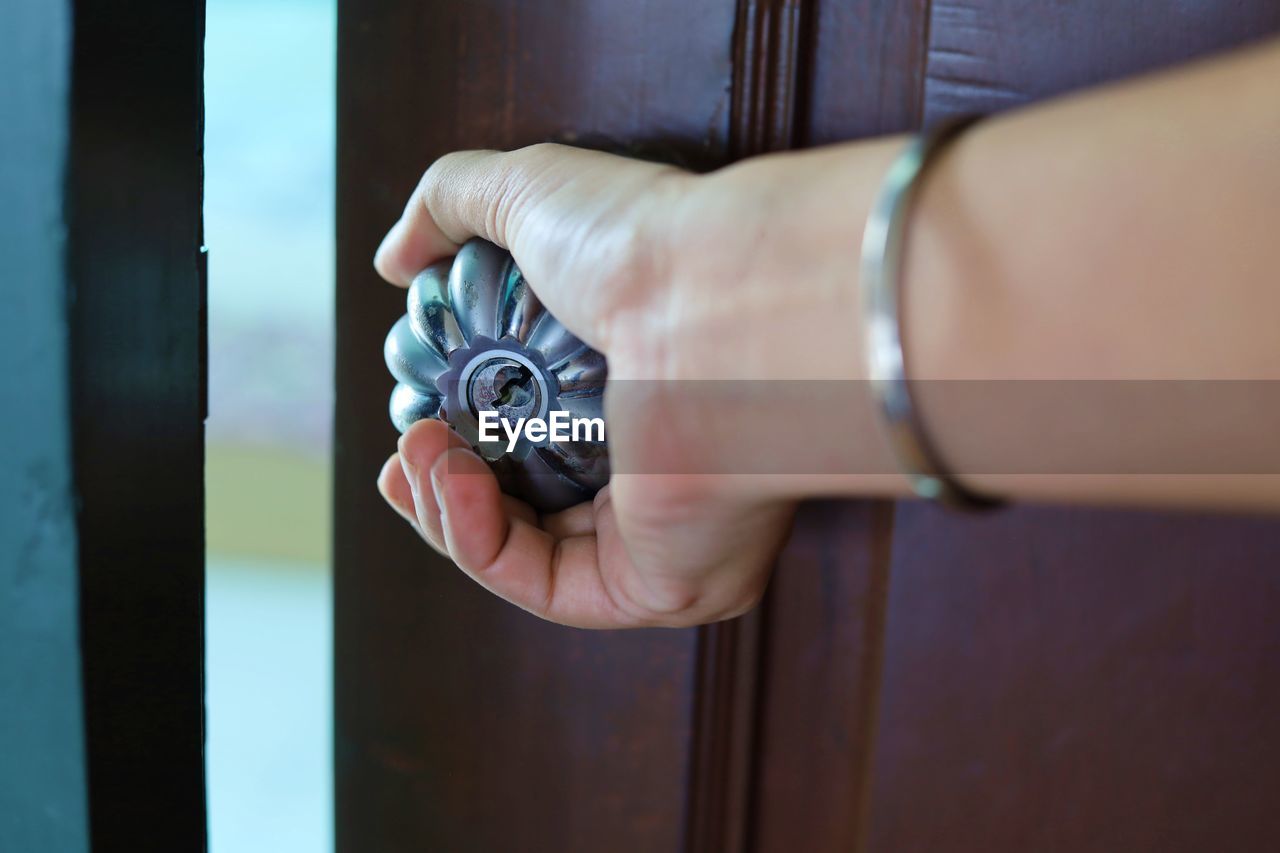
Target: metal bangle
pixel 881 282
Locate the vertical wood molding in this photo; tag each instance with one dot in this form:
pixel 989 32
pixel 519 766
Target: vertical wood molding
pixel 726 698
pixel 871 676
pixel 752 694
pixel 768 45
pixel 820 679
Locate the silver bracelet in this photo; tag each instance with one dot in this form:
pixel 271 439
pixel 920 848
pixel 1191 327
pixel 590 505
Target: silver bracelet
pixel 881 283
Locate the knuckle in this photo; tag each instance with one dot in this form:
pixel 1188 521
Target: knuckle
pixel 744 602
pixel 689 607
pixel 505 190
pixel 430 192
pixel 506 198
pixel 674 607
pixel 443 166
pixel 538 151
pixel 525 165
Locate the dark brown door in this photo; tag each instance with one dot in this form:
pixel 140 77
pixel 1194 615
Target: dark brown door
pixel 1041 679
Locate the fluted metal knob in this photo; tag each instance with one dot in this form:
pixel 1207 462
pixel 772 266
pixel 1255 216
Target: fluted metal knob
pixel 476 339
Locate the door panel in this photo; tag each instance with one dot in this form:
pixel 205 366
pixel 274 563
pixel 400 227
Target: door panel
pixel 994 54
pixel 1076 680
pixel 1067 679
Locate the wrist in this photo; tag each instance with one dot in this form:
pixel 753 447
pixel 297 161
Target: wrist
pixel 756 349
pixel 818 362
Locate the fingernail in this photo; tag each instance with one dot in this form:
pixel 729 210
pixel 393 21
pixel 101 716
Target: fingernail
pixel 410 473
pixel 392 233
pixel 394 497
pixel 437 489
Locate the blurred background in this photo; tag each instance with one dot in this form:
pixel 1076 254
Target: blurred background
pixel 269 157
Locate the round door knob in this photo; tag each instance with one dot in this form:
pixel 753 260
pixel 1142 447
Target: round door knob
pixel 475 340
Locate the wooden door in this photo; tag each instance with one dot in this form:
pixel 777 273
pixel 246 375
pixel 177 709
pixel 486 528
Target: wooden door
pixel 1042 679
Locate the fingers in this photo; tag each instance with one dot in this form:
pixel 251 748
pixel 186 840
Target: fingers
pixel 572 218
pixel 575 521
pixel 395 489
pixel 556 578
pixel 419 448
pixel 456 199
pixel 449 495
pixel 570 567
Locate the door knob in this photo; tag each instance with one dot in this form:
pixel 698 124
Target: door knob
pixel 477 350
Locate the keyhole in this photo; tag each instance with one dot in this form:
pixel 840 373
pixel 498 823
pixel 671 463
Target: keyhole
pixel 506 386
pixel 515 391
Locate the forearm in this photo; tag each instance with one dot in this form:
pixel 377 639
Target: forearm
pixel 1128 233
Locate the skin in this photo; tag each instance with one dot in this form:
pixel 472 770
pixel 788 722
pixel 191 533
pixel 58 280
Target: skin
pixel 1171 184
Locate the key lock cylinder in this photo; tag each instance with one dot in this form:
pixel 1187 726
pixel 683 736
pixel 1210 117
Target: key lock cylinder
pixel 475 339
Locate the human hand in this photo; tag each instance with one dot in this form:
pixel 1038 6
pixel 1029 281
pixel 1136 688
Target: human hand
pixel 748 273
